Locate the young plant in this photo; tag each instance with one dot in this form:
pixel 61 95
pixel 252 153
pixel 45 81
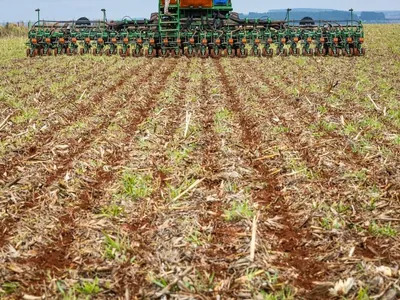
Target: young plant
pixel 328 126
pixel 195 238
pixel 116 248
pixel 349 129
pixel 111 211
pixel 67 294
pixel 238 211
pixel 89 288
pixel 174 192
pixel 322 110
pixel 160 282
pixel 221 120
pixel 281 129
pixel 384 231
pixel 363 294
pixel 203 281
pixel 179 155
pixel 8 288
pixel 137 186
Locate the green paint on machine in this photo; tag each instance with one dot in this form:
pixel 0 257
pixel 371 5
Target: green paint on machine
pixel 200 28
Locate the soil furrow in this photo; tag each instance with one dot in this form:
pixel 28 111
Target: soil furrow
pixel 56 255
pixel 142 227
pixel 297 141
pixel 349 160
pixel 290 236
pixel 39 185
pixel 47 101
pixel 165 129
pixel 81 112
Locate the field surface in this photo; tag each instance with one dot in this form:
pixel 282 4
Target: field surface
pixel 201 179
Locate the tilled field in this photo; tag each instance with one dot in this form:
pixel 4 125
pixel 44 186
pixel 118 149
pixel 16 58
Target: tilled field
pixel 175 178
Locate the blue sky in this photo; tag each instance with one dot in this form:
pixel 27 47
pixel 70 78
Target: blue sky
pixel 15 10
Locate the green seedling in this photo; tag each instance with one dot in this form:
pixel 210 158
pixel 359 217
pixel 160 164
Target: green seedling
pixel 8 288
pixel 238 211
pixel 383 231
pixel 137 186
pixel 111 211
pixel 116 247
pixel 89 288
pixel 221 120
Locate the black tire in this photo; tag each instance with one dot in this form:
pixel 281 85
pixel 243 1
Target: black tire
pixel 232 55
pixel 152 54
pixel 215 55
pixel 187 54
pixel 267 53
pixel 240 54
pixel 205 55
pixel 165 54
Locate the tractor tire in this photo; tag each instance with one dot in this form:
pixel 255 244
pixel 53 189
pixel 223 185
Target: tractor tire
pixel 189 55
pixel 253 53
pixel 174 54
pixel 294 52
pixel 138 54
pixel 152 54
pixel 242 55
pixel 205 55
pixel 215 55
pixel 268 53
pixel 165 54
pixel 232 55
